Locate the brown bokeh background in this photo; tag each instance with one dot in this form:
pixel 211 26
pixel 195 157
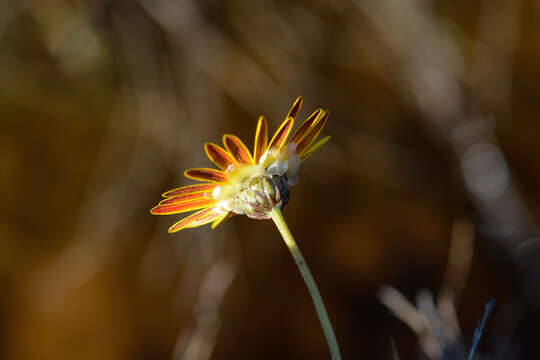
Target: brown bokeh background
pixel 434 118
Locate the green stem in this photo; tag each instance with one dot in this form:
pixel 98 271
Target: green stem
pixel 275 214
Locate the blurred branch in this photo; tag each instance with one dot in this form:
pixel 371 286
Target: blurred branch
pixel 437 326
pixel 480 328
pixel 104 210
pixel 10 11
pixel 424 320
pixel 395 355
pixel 491 71
pixel 432 68
pixel 197 342
pixel 459 260
pixel 209 51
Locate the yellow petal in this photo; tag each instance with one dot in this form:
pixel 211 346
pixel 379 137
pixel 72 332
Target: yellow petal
pixel 219 156
pixel 198 219
pixel 205 174
pixel 236 147
pixel 280 137
pixel 317 145
pixel 261 139
pixel 220 220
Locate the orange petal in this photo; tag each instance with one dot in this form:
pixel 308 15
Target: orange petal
pixel 237 148
pixel 183 198
pixel 205 174
pixel 261 139
pixel 295 108
pixel 317 145
pixel 199 218
pixel 219 156
pixel 312 134
pixel 190 189
pixel 299 134
pixel 222 219
pixel 281 134
pixel 182 206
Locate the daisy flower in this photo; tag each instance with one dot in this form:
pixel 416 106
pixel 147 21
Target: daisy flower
pixel 254 184
pixel 246 183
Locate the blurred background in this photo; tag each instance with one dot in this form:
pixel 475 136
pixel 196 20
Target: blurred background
pixel 428 190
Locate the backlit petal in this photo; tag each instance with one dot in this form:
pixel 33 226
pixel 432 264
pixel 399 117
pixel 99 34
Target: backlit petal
pixel 219 156
pixel 182 206
pixel 205 174
pixel 280 137
pixel 312 134
pixel 190 189
pixel 222 219
pixel 303 129
pixel 317 145
pixel 237 148
pixel 295 108
pixel 187 197
pixel 261 139
pixel 198 219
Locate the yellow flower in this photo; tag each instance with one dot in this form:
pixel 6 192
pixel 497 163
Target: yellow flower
pixel 249 184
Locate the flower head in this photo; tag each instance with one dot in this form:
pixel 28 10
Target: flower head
pixel 249 184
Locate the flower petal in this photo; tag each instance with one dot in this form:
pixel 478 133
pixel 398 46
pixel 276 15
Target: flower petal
pixel 281 134
pixel 261 139
pixel 317 145
pixel 186 197
pixel 302 130
pixel 189 189
pixel 219 156
pixel 237 148
pixel 312 134
pixel 199 218
pixel 222 219
pixel 295 108
pixel 205 174
pixel 182 206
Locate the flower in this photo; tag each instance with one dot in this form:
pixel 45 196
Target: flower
pixel 249 184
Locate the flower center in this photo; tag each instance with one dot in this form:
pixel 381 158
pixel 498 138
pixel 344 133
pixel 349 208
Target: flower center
pixel 265 184
pixel 263 194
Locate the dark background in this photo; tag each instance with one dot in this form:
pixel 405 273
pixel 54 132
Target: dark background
pixel 434 109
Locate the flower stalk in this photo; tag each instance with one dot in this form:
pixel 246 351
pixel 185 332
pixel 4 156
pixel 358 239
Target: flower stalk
pixel 278 219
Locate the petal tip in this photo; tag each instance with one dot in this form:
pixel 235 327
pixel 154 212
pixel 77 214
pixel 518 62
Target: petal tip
pixel 206 174
pixel 172 230
pixel 224 138
pixel 154 210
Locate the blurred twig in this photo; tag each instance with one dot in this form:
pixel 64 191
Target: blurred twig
pixel 432 69
pixel 197 342
pixel 480 328
pixel 104 209
pixel 455 277
pixel 437 326
pixel 459 259
pixel 209 50
pixel 491 71
pixel 10 10
pixel 407 313
pixel 395 355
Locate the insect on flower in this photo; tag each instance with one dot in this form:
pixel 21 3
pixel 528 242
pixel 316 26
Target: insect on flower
pixel 249 184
